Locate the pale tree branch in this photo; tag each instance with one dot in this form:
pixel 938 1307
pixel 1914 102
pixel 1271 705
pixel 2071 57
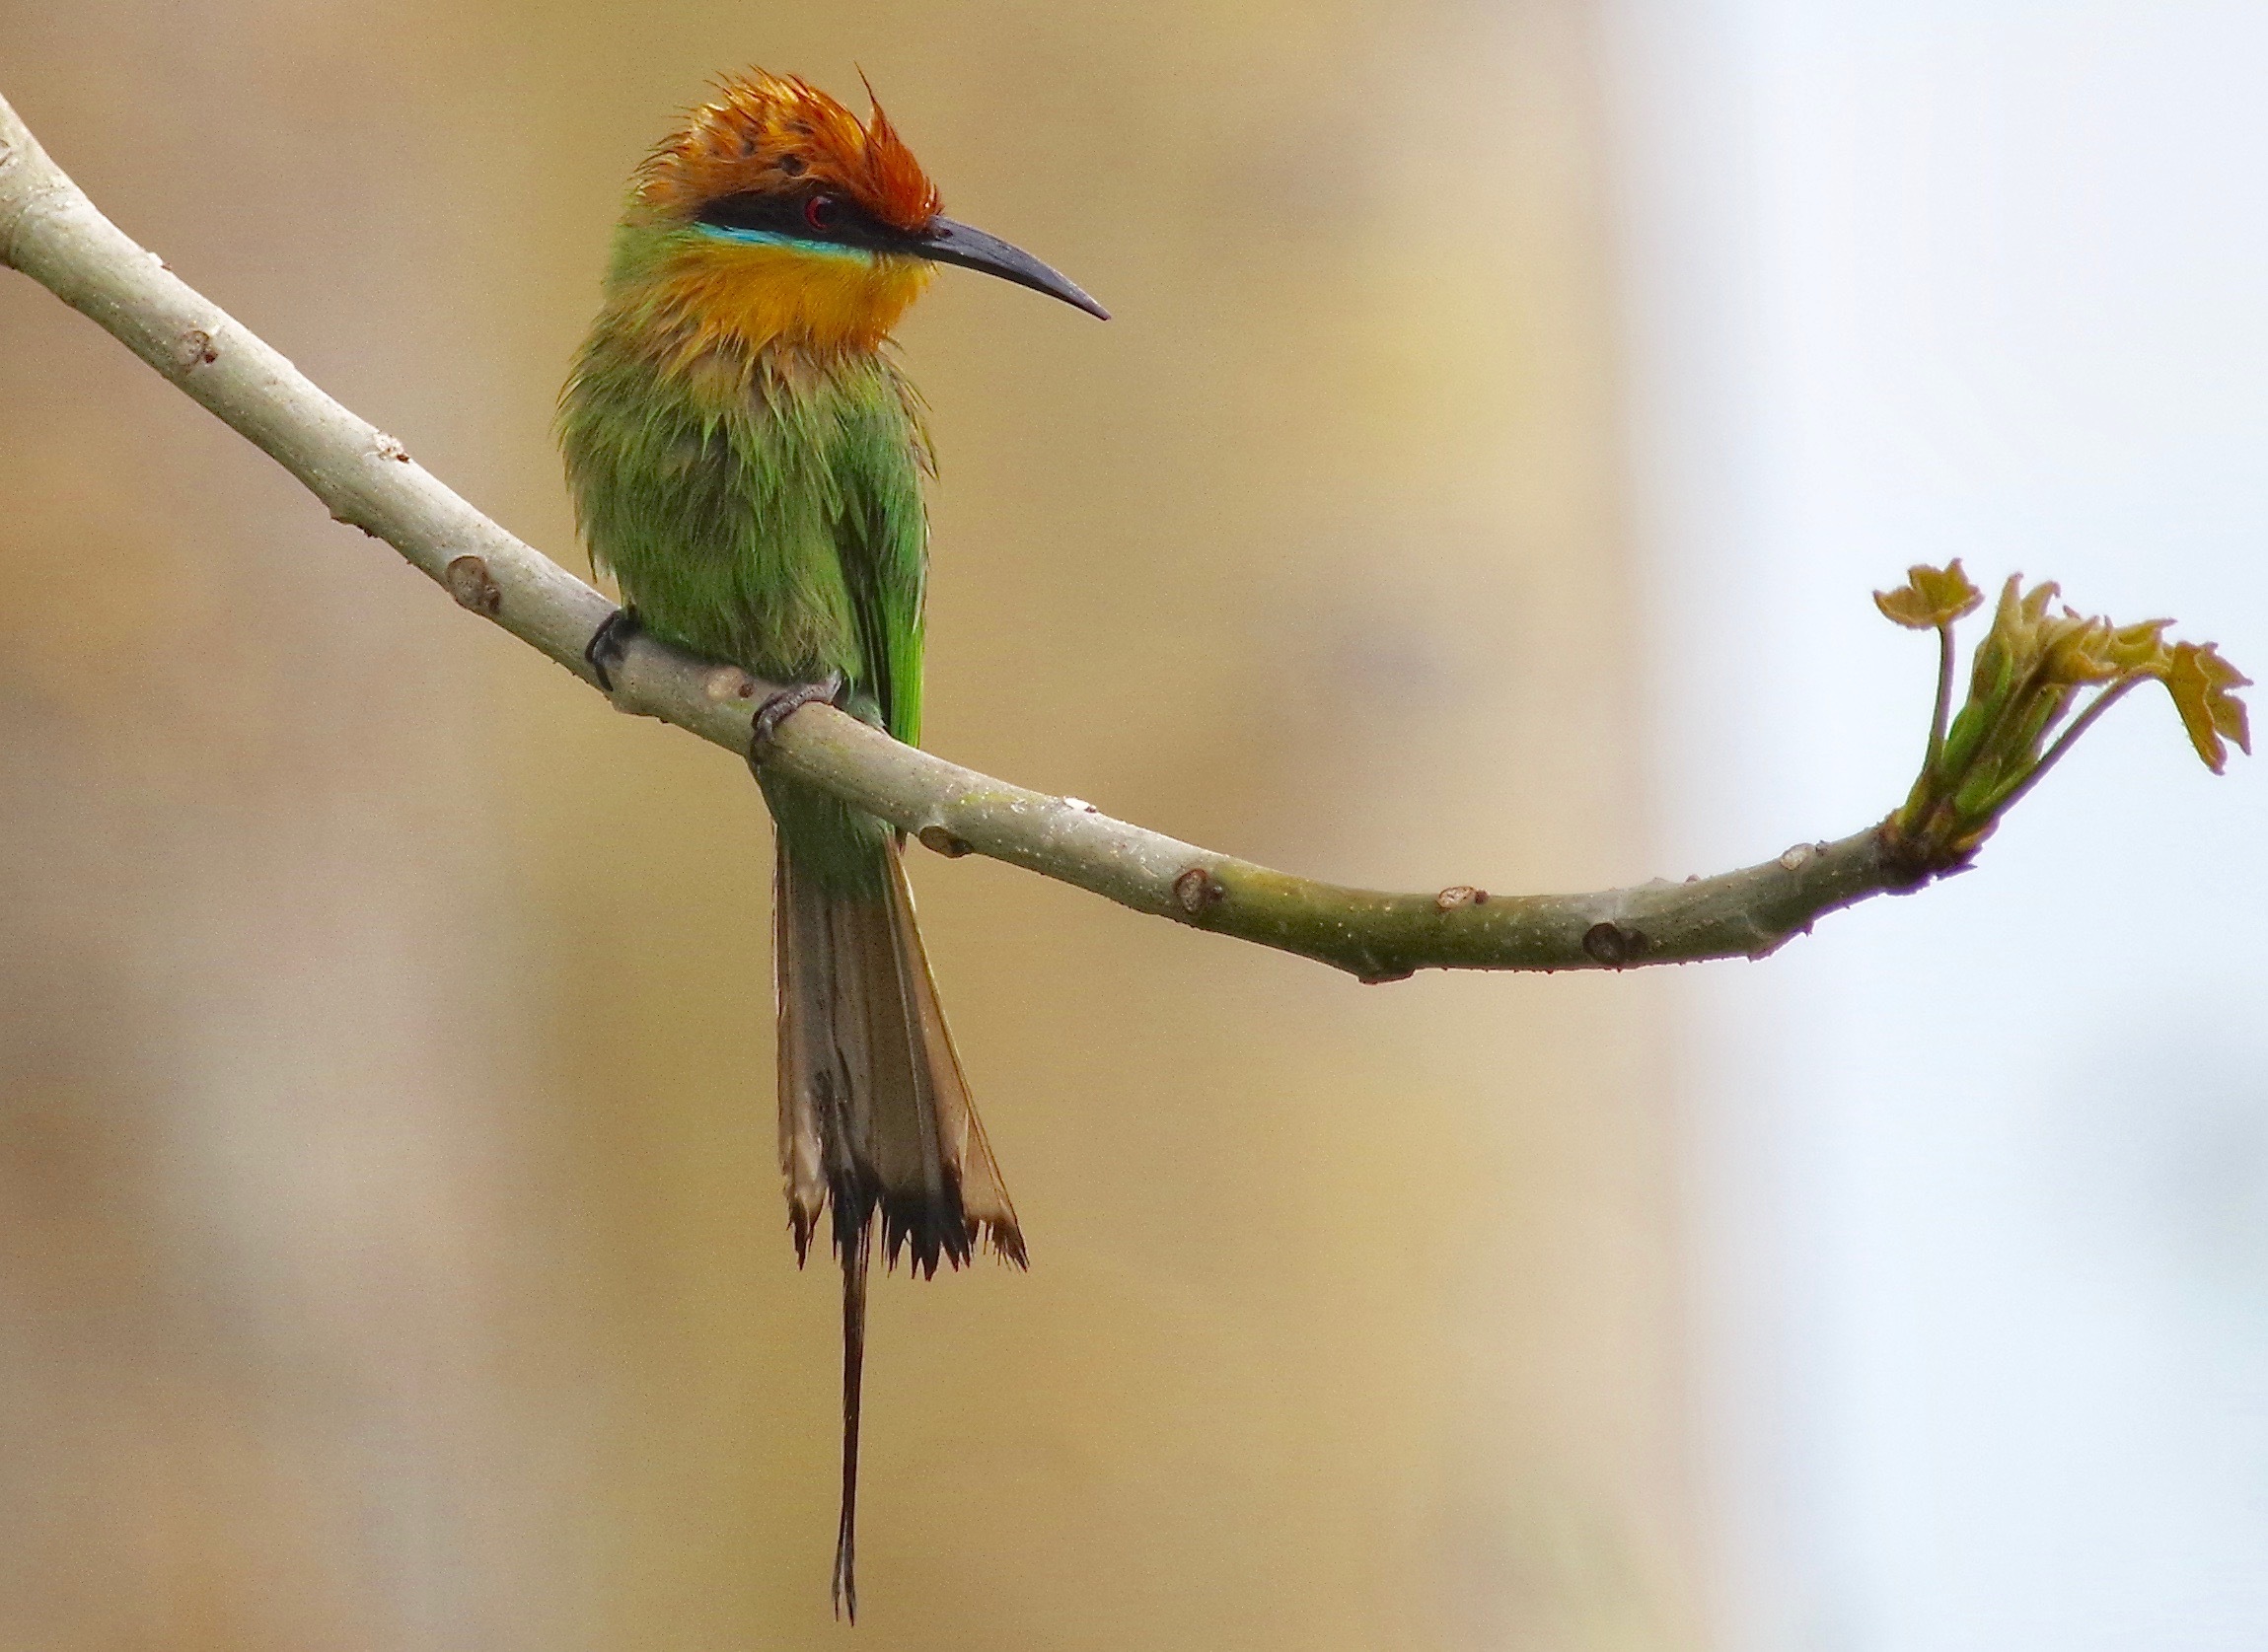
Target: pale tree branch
pixel 51 232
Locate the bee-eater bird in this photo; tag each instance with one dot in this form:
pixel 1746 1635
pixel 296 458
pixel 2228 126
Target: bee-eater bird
pixel 748 460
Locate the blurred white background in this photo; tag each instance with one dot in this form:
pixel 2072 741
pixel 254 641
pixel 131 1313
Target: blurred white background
pixel 1980 1180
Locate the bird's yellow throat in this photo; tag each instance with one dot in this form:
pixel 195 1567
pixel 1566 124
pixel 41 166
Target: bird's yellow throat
pixel 740 297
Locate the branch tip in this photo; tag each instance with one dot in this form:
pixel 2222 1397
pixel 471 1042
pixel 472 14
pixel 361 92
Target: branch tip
pixel 2031 672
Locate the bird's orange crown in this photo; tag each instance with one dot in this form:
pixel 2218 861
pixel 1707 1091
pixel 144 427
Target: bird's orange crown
pixel 768 133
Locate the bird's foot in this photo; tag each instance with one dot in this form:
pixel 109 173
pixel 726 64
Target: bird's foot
pixel 775 710
pixel 610 643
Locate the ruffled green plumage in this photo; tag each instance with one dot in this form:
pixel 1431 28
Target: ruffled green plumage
pixel 780 527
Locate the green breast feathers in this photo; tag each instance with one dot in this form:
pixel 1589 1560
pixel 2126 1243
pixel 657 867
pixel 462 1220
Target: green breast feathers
pixel 771 518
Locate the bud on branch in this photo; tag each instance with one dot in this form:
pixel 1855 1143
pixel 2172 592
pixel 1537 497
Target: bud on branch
pixel 2032 671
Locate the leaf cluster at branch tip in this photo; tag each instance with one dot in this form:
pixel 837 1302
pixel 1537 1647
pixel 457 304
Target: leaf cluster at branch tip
pixel 2038 665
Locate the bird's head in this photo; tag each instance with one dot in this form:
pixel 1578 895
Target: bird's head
pixel 775 215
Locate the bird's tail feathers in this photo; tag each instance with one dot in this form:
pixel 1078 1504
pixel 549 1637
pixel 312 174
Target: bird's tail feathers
pixel 875 1113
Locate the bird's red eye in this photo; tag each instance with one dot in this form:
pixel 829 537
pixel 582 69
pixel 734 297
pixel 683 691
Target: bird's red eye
pixel 822 213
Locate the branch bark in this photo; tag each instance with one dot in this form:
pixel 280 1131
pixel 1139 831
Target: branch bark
pixel 51 232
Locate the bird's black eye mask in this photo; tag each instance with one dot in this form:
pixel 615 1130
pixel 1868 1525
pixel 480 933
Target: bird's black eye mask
pixel 816 217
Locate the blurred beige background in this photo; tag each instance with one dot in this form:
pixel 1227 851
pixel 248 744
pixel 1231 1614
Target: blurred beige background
pixel 391 1250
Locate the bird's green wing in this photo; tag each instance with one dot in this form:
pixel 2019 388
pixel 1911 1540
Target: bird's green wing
pixel 884 545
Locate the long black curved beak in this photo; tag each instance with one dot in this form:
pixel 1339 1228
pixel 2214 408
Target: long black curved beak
pixel 949 243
